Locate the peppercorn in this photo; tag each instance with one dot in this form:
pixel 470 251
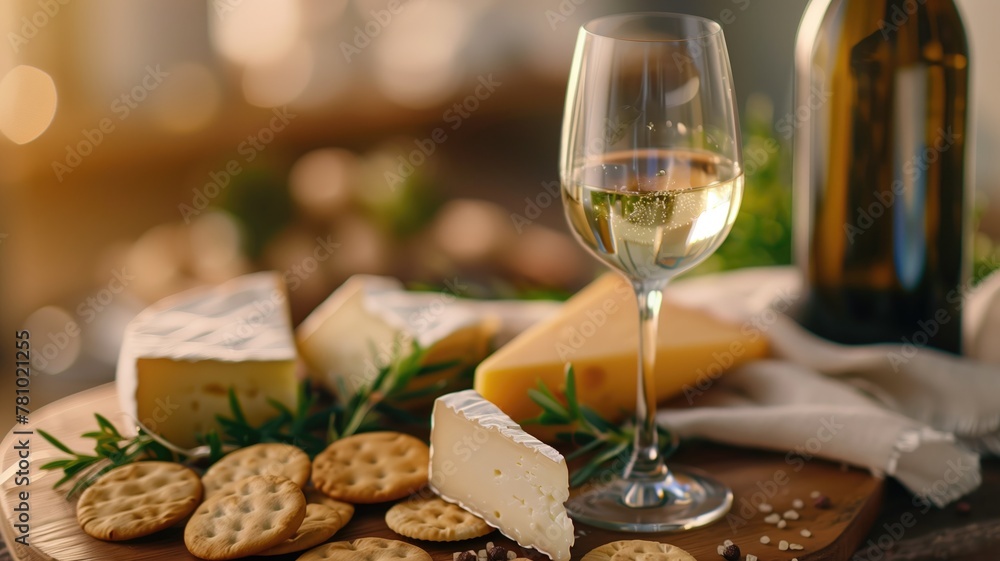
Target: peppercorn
pixel 498 553
pixel 731 553
pixel 963 508
pixel 467 556
pixel 822 502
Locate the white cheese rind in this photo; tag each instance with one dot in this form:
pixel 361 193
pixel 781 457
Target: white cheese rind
pixel 243 324
pixel 359 327
pixel 483 461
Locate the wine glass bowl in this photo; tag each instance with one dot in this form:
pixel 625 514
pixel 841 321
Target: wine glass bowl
pixel 652 179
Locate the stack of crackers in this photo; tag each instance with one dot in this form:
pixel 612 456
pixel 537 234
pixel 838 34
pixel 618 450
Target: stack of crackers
pixel 257 501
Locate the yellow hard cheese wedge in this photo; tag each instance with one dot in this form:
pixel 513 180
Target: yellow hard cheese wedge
pixel 598 332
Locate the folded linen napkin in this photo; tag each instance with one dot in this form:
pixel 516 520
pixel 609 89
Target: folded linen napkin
pixel 913 413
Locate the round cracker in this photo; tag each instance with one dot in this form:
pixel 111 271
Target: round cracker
pixel 366 549
pixel 138 499
pixel 283 460
pixel 434 519
pixel 320 524
pixel 633 550
pixel 246 518
pixel 372 467
pixel 344 510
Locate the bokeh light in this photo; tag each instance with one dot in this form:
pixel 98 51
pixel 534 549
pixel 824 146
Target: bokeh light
pixel 321 180
pixel 280 81
pixel 55 336
pixel 255 31
pixel 28 102
pixel 417 61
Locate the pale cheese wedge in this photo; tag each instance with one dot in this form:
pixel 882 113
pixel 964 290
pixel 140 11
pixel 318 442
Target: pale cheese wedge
pixel 483 461
pixel 598 332
pixel 359 327
pixel 181 355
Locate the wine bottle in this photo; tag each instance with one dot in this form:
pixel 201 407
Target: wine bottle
pixel 882 224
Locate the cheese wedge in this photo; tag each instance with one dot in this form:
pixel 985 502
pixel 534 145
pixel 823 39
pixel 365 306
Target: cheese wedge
pixel 357 329
pixel 598 332
pixel 483 461
pixel 180 356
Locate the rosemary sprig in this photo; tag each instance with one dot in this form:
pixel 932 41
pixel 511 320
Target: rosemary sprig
pixel 307 426
pixel 352 412
pixel 596 438
pixel 382 395
pixel 111 450
pixel 298 427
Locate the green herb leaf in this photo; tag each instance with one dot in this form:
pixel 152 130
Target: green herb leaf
pixel 111 450
pixel 596 438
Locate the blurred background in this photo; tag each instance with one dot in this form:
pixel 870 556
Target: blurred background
pixel 149 147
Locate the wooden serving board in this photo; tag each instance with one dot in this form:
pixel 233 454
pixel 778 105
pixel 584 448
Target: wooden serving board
pixel 856 496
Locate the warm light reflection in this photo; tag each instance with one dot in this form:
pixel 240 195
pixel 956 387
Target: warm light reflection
pixel 363 248
pixel 255 31
pixel 216 247
pixel 331 73
pixel 157 259
pixel 469 230
pixel 27 103
pixel 321 181
pixel 417 62
pixel 322 13
pixel 55 339
pixel 531 254
pixel 709 223
pixel 188 100
pixel 281 81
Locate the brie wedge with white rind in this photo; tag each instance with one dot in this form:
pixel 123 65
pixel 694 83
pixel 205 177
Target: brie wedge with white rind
pixel 368 319
pixel 483 461
pixel 181 355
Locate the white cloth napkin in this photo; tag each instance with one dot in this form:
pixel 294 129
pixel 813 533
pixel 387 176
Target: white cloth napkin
pixel 916 414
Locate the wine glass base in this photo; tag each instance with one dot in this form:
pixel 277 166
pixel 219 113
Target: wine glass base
pixel 689 498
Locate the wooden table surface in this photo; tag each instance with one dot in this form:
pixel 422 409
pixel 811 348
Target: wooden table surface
pixel 902 528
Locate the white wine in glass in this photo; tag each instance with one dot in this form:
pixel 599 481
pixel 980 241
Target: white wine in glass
pixel 652 178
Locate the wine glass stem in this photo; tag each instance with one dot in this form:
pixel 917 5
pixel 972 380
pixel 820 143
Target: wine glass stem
pixel 646 468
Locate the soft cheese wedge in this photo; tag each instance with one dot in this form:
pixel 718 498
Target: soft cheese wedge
pixel 181 355
pixel 598 332
pixel 483 461
pixel 357 329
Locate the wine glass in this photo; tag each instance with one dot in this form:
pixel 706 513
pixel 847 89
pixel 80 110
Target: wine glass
pixel 652 176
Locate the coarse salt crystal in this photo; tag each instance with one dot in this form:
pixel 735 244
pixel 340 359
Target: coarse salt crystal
pixel 795 547
pixel 772 518
pixel 797 503
pixel 783 545
pixel 765 508
pixel 791 515
pixel 751 557
pixel 721 549
pixel 806 534
pixel 511 555
pixel 727 543
pixel 765 540
pixel 782 523
pixel 815 495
